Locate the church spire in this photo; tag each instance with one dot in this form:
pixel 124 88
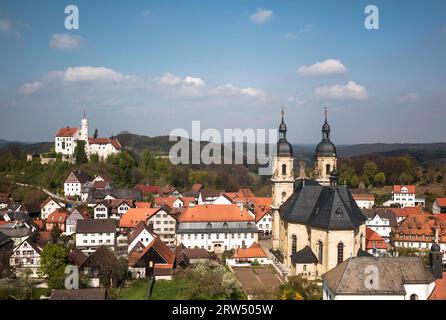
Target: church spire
pixel 326 127
pixel 282 127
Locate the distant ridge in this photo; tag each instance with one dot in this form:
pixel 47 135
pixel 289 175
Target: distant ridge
pixel 422 152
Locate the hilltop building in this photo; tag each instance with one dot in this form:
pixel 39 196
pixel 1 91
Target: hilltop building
pixel 67 139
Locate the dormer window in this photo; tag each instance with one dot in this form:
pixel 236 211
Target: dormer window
pixel 339 213
pixel 225 225
pixel 209 226
pixel 249 224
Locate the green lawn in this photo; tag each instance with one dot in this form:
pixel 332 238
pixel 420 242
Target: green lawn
pixel 162 290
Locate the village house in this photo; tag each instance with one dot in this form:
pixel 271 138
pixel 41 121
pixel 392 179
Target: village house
pixel 100 182
pixel 439 205
pixel 419 231
pixel 73 184
pixel 93 233
pixel 26 256
pixel 57 219
pixel 381 220
pixel 103 147
pixel 364 200
pixel 156 260
pixel 141 234
pixel 73 216
pixel 160 220
pixel 406 196
pixel 48 206
pixel 375 244
pixel 248 256
pixel 113 209
pixel 185 257
pixel 216 228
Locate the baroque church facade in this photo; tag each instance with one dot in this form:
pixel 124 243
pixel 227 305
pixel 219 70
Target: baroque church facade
pixel 316 222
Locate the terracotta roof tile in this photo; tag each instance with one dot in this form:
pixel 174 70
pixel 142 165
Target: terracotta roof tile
pixel 66 132
pixel 220 212
pixel 254 251
pixel 134 215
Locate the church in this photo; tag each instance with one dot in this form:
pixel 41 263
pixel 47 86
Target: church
pixel 316 222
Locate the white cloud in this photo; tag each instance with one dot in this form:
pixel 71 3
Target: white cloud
pixel 327 67
pixel 29 88
pixel 410 97
pixel 170 79
pixel 349 91
pixel 296 100
pixel 64 41
pixel 262 16
pixel 228 90
pixel 83 74
pixel 9 28
pixel 196 82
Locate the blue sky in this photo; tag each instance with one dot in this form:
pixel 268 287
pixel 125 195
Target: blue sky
pixel 152 66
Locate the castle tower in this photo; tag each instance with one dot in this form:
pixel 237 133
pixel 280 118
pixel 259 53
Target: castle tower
pixel 282 178
pixel 325 156
pixel 84 128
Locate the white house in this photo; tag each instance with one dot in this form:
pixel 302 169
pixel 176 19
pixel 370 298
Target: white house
pixel 381 220
pixel 244 257
pixel 406 196
pixel 264 223
pixel 141 234
pixel 217 228
pixel 364 200
pixel 73 184
pixel 49 206
pixel 26 256
pixel 93 233
pixel 222 199
pixel 103 147
pixel 71 221
pixel 439 205
pixel 384 278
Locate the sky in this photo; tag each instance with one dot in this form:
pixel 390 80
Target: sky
pixel 149 67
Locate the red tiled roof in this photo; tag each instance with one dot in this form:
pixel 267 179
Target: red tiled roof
pixel 363 196
pixel 218 212
pixel 143 204
pixel 374 240
pixel 410 189
pixel 158 245
pixel 254 251
pixel 66 132
pixel 57 216
pixel 441 201
pixel 169 201
pixel 115 143
pixel 422 225
pixel 439 292
pixel 148 189
pixel 134 215
pixel 407 211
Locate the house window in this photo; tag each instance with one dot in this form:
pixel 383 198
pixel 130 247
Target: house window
pixel 225 225
pixel 320 248
pixel 293 243
pixel 209 226
pixel 340 252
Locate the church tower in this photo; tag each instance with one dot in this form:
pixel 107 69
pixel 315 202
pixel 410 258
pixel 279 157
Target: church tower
pixel 282 178
pixel 84 128
pixel 325 156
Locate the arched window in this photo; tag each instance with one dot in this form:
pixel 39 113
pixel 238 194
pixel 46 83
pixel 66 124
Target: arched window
pixel 413 297
pixel 225 225
pixel 293 243
pixel 327 169
pixel 283 168
pixel 320 249
pixel 209 226
pixel 340 252
pixel 283 196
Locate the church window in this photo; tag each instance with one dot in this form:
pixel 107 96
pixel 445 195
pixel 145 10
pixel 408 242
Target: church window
pixel 320 248
pixel 283 168
pixel 340 252
pixel 327 169
pixel 293 244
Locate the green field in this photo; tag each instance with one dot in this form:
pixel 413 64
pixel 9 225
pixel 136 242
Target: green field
pixel 162 290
